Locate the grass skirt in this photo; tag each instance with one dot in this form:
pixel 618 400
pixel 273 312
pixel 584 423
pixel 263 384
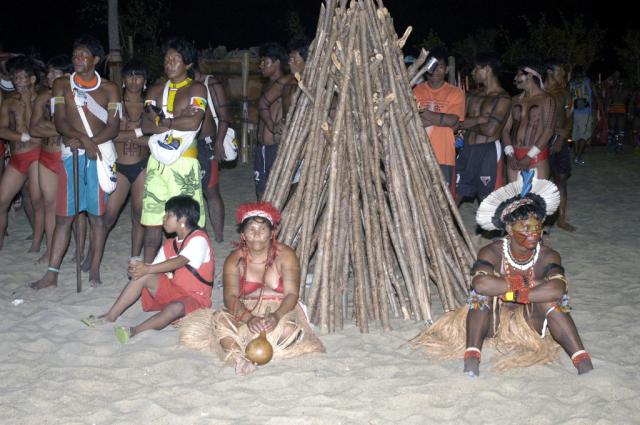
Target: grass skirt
pixel 205 328
pixel 515 342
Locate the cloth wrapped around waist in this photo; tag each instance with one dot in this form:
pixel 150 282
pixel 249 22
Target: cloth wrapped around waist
pixel 204 329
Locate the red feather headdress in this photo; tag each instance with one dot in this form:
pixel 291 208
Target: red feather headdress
pixel 259 209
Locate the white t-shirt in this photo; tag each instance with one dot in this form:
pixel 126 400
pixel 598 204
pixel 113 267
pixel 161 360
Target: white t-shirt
pixel 196 251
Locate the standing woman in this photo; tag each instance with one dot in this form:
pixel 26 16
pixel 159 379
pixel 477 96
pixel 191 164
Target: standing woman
pixel 133 153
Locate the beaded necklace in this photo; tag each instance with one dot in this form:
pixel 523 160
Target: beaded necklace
pixel 514 263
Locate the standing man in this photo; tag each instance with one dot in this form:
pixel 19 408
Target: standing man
pixel 560 155
pixel 479 164
pixel 583 97
pixel 180 104
pixel 84 104
pixel 530 125
pixel 272 112
pixel 42 126
pixel 211 149
pixel 616 104
pixel 441 108
pixel 15 115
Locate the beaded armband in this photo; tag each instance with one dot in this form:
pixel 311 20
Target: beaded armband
pixel 477 301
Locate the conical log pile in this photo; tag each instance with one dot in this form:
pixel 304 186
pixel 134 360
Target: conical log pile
pixel 371 217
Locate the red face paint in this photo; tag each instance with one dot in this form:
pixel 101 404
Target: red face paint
pixel 527 233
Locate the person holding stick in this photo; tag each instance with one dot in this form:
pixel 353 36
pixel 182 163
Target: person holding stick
pixel 87 114
pixel 261 293
pixel 178 281
pixel 519 289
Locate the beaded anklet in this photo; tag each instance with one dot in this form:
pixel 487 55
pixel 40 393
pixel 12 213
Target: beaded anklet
pixel 579 356
pixel 53 269
pixel 472 352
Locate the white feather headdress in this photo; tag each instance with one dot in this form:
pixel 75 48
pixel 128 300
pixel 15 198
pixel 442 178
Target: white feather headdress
pixel 526 190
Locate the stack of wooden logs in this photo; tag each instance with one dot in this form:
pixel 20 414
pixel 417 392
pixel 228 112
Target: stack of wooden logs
pixel 371 218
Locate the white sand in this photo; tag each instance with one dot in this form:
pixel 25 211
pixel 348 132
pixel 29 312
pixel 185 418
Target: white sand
pixel 54 370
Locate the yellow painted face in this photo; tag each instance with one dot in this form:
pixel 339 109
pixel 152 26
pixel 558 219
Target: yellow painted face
pixel 527 232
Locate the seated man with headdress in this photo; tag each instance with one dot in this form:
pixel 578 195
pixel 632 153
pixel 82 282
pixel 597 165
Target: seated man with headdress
pixel 518 289
pixel 261 294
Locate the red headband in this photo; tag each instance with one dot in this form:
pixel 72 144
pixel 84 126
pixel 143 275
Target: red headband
pixel 259 209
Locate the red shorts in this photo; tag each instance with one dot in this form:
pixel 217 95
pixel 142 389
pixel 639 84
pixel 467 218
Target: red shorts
pixel 21 161
pixel 51 160
pixel 522 152
pixel 168 293
pixel 1 149
pixel 213 177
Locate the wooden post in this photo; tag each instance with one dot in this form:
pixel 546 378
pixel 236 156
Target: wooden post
pixel 244 141
pixel 452 70
pixel 115 57
pixel 130 39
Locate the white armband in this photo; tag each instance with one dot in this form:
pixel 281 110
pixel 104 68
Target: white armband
pixel 533 152
pixel 138 132
pixel 508 150
pixel 25 137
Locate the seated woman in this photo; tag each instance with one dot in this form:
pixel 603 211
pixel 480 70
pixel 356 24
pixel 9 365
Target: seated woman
pixel 518 289
pixel 261 293
pixel 178 282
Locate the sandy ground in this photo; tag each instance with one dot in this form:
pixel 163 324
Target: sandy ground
pixel 54 370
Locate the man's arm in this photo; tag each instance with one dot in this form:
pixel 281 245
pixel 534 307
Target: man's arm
pixel 496 120
pixel 221 107
pixel 267 99
pixel 149 116
pixel 190 119
pixel 548 122
pixel 438 119
pixel 39 126
pixel 110 131
pixel 5 132
pixel 72 136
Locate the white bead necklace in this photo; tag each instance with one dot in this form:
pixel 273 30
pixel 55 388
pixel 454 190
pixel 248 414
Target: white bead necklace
pixel 506 251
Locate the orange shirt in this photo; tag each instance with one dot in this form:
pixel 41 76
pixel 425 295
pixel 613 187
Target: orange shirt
pixel 447 99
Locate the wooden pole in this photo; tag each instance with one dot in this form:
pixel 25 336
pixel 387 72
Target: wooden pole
pixel 244 140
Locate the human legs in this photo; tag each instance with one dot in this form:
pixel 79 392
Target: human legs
pixel 152 242
pixel 61 236
pixel 478 327
pixel 216 211
pixel 48 188
pixel 563 330
pixel 38 207
pixel 137 230
pixel 98 236
pixel 130 294
pixel 10 183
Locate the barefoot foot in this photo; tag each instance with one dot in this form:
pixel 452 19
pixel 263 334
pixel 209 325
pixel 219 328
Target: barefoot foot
pixel 244 366
pixel 472 367
pixel 49 280
pixel 566 226
pixel 584 366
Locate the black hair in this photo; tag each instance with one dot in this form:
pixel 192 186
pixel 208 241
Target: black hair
pixel 537 208
pixel 536 68
pixel 61 63
pixel 300 45
pixel 274 51
pixel 23 63
pixel 186 49
pixel 578 72
pixel 91 43
pixel 256 218
pixel 134 67
pixel 184 206
pixel 440 53
pixel 550 64
pixel 489 59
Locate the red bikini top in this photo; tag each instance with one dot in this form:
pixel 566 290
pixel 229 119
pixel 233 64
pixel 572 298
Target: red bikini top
pixel 247 287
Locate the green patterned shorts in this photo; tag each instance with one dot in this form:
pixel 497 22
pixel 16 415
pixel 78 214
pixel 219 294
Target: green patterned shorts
pixel 166 181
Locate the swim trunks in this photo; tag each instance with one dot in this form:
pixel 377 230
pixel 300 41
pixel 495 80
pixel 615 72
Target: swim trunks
pixel 522 152
pixel 21 161
pixel 265 156
pixel 91 198
pixel 479 170
pixel 132 171
pixel 51 160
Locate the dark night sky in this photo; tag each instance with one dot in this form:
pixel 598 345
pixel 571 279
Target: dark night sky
pixel 239 23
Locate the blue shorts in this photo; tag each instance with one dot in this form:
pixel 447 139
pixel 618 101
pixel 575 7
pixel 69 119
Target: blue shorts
pixel 265 156
pixel 91 198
